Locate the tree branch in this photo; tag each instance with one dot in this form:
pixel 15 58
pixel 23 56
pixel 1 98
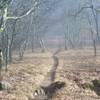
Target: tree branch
pixel 83 9
pixel 27 13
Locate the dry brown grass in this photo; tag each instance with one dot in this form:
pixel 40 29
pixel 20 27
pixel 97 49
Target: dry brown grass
pixel 27 75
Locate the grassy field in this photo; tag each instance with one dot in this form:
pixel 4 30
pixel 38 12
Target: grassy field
pixel 26 75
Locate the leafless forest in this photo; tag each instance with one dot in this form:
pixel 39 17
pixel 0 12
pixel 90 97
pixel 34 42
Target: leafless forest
pixel 49 49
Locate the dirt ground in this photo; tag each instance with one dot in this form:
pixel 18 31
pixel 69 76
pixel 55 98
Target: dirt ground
pixel 26 75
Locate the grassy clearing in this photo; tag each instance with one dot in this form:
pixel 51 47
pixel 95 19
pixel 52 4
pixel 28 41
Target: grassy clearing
pixel 26 75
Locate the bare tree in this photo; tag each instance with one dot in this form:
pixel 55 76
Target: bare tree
pixel 95 16
pixel 4 20
pixel 92 36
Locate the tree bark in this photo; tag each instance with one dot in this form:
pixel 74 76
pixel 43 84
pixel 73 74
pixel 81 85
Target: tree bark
pixel 22 49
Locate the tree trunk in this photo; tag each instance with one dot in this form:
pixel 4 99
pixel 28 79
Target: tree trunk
pixel 22 50
pixel 9 54
pixel 92 35
pixel 96 23
pixel 32 44
pixel 65 39
pixel 42 45
pixel 94 43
